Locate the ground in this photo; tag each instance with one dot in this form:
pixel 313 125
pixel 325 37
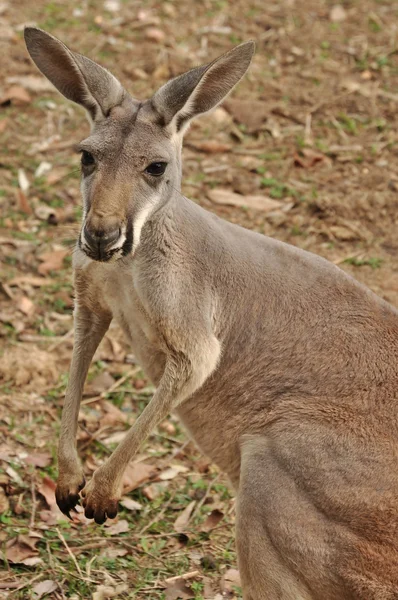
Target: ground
pixel 305 150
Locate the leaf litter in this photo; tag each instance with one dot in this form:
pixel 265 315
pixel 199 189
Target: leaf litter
pixel 315 119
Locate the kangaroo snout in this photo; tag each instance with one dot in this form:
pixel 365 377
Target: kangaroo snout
pixel 101 244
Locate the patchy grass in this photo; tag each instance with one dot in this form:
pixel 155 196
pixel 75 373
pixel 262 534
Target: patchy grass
pixel 326 148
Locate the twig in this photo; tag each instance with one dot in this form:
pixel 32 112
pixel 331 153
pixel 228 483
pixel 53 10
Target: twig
pixel 142 551
pixel 158 516
pixel 33 493
pixel 69 551
pixel 113 387
pixel 24 585
pixel 185 577
pixel 206 494
pixel 60 340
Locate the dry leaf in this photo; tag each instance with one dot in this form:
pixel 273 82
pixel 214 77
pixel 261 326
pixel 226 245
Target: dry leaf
pixel 212 520
pixel 251 113
pixel 38 459
pixel 23 181
pixel 155 35
pixel 103 592
pixel 43 588
pixel 114 552
pixel 172 472
pixel 113 415
pixel 21 548
pixel 28 365
pixel 136 474
pixel 112 5
pixel 33 83
pixel 13 474
pixel 210 147
pixel 29 280
pixel 16 95
pixel 230 580
pixel 120 527
pixel 47 490
pixel 52 261
pixel 224 196
pixel 178 590
pixel 338 14
pixel 22 202
pixel 344 233
pixel 25 305
pixel 4 502
pixel 57 174
pixel 130 504
pixel 101 383
pixel 183 519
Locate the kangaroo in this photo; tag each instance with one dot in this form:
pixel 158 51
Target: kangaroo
pixel 282 367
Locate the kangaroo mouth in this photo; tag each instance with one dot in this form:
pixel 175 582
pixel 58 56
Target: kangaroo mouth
pixel 101 253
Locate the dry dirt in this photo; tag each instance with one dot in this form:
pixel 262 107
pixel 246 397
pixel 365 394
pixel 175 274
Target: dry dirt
pixel 313 128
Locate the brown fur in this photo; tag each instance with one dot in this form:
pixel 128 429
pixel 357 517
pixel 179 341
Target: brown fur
pixel 281 366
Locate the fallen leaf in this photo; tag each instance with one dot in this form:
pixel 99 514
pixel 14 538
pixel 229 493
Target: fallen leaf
pixel 183 519
pixel 337 13
pixel 23 181
pixel 130 504
pixel 47 490
pixel 16 95
pixel 52 261
pixel 21 548
pixel 57 174
pixel 203 464
pixel 43 168
pixel 25 305
pixel 38 459
pixel 210 147
pixel 120 527
pixel 136 474
pixel 33 83
pixel 230 580
pixel 22 202
pixel 4 502
pixel 344 233
pixel 103 592
pixel 112 5
pixel 250 113
pixel 154 490
pixel 178 590
pixel 172 472
pixel 32 562
pixel 14 475
pixel 113 415
pixel 114 552
pixel 155 35
pixel 44 587
pixel 101 383
pixel 30 280
pixel 224 196
pixel 212 520
pixel 308 159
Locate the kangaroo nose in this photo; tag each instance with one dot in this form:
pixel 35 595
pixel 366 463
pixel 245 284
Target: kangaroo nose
pixel 100 241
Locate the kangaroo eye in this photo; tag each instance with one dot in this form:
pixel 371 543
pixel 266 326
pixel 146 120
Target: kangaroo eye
pixel 156 169
pixel 88 159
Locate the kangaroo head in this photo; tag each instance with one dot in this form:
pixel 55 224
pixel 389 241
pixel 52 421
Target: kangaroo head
pixel 131 161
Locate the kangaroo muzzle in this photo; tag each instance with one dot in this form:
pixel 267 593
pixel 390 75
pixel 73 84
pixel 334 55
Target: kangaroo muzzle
pixel 99 244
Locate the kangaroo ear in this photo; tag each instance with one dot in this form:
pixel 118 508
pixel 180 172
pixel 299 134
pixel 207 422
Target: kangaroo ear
pixel 201 89
pixel 78 78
